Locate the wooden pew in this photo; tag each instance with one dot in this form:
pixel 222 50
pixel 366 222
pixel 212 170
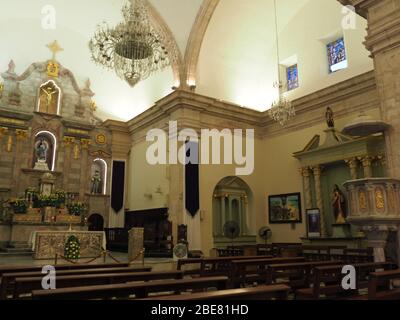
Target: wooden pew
pixel 297 274
pixel 377 279
pixel 26 285
pixel 190 261
pixel 221 266
pixel 318 253
pixel 140 290
pixel 277 291
pixel 10 268
pixel 331 277
pixel 255 270
pixel 8 279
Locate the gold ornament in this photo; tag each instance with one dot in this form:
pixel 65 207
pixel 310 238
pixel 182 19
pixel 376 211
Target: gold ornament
pixel 101 139
pixel 53 66
pixel 379 200
pixel 362 200
pixel 93 106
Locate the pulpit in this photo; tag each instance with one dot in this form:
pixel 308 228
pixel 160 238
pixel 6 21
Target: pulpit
pixel 374 205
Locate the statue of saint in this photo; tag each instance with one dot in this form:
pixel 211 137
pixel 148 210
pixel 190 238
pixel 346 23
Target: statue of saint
pixel 329 118
pixel 339 205
pixel 41 151
pixel 96 182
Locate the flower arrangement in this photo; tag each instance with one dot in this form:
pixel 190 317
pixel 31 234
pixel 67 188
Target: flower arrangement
pixel 47 200
pixel 72 248
pixel 61 197
pixel 76 208
pixel 20 206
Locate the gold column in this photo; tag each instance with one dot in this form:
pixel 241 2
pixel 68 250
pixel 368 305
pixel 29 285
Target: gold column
pixel 3 131
pixel 353 164
pixel 366 163
pixel 85 173
pixel 305 173
pixel 318 192
pixel 68 141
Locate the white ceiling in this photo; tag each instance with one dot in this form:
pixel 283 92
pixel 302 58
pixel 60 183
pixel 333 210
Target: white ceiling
pixel 237 59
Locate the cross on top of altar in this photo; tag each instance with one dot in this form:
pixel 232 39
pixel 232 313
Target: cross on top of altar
pixel 55 48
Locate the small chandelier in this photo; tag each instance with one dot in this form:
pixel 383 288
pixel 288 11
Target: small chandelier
pixel 134 49
pixel 282 109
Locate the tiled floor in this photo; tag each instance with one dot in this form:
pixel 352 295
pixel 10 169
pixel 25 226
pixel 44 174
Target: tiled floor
pixel 158 264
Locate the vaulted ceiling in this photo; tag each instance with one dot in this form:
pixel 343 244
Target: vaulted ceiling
pixel 227 48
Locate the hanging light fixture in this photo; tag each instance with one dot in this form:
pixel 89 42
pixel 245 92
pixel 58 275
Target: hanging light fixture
pixel 282 109
pixel 134 48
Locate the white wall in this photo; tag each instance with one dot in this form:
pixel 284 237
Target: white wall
pixel 238 57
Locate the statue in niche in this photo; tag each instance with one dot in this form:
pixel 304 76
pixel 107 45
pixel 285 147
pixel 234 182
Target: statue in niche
pixel 41 151
pixel 48 98
pixel 329 118
pixel 96 183
pixel 338 205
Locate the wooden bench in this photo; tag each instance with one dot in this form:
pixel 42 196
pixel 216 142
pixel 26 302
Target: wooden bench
pixel 222 266
pixel 278 292
pixel 318 253
pixel 8 279
pixel 331 277
pixel 189 261
pixel 296 275
pixel 26 285
pixel 254 270
pixel 125 290
pixel 383 278
pixel 9 269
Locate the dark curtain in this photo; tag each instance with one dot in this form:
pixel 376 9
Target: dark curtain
pixel 118 185
pixel 192 201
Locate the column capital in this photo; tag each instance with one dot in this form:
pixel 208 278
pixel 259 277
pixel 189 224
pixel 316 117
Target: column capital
pixel 85 143
pixel 68 140
pixel 305 172
pixel 21 134
pixel 317 170
pixel 352 162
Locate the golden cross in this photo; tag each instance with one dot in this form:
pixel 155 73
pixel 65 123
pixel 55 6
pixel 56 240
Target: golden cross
pixel 54 48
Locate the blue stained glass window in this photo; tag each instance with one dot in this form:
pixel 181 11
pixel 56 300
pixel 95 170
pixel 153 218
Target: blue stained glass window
pixel 292 75
pixel 337 58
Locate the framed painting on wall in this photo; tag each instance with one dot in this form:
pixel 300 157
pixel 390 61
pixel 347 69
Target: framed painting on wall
pixel 285 208
pixel 313 223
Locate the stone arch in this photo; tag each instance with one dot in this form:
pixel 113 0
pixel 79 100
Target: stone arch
pixel 50 142
pixel 195 41
pixel 101 166
pixel 232 201
pixel 95 222
pixel 176 55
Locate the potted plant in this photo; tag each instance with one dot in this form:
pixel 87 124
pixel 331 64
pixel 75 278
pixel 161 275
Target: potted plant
pixel 19 206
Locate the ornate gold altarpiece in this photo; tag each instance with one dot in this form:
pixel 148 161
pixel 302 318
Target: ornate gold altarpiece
pixel 47 244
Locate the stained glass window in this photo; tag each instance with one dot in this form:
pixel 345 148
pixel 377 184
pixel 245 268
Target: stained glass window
pixel 337 58
pixel 292 76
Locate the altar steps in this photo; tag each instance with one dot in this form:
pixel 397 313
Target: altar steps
pixel 17 249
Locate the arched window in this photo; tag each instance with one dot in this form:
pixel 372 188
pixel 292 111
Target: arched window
pixel 44 153
pixel 99 177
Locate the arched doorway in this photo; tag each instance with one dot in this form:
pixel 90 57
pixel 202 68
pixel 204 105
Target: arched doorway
pixel 232 201
pixel 95 222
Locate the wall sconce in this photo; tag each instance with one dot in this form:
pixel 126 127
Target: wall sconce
pixel 159 190
pixel 148 196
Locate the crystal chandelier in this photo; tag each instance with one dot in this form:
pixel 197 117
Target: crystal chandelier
pixel 134 48
pixel 282 109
